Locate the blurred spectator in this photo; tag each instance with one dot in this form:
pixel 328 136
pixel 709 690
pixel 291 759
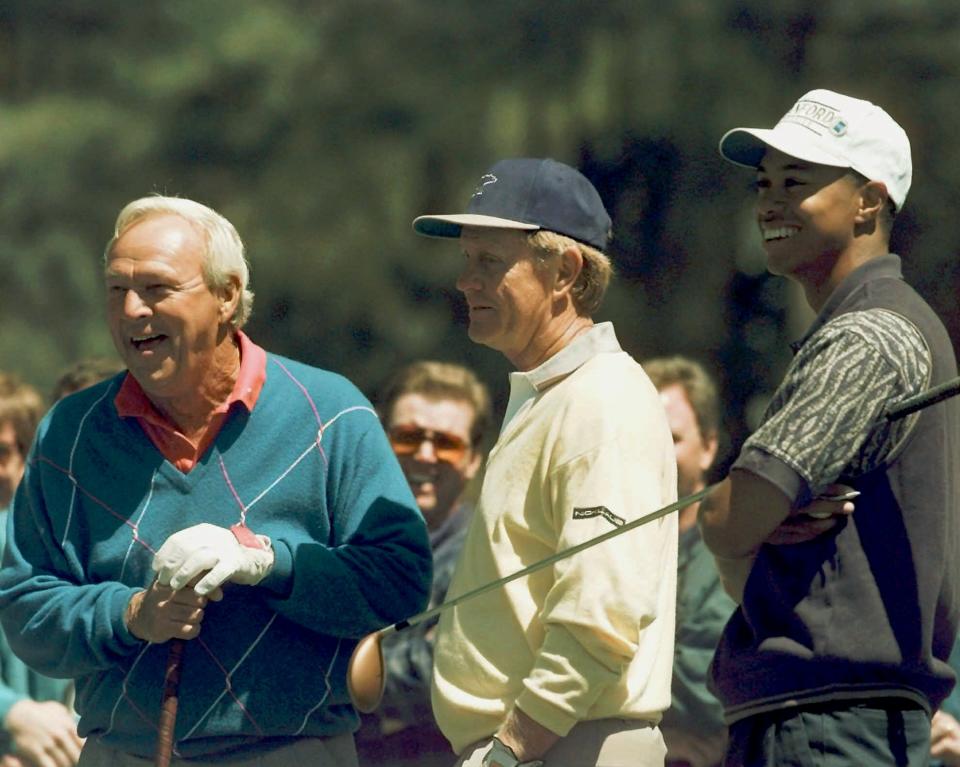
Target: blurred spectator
pixel 20 410
pixel 693 726
pixel 436 415
pixel 37 727
pixel 83 373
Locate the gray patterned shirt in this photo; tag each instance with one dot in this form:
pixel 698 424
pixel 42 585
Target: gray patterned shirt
pixel 825 419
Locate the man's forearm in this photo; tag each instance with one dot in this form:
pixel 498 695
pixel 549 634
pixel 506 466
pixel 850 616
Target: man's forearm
pixel 713 517
pixel 721 538
pixel 737 517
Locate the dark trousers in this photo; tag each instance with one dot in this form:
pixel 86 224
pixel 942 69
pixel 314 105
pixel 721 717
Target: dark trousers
pixel 891 734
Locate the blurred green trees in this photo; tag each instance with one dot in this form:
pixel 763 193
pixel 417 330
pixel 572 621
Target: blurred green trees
pixel 321 128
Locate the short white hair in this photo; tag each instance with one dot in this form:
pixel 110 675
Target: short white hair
pixel 224 257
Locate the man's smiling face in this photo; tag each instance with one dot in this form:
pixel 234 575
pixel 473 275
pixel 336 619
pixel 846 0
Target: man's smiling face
pixel 163 317
pixel 805 213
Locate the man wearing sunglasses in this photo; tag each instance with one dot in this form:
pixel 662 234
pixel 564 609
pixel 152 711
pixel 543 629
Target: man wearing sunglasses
pixel 573 663
pixel 436 415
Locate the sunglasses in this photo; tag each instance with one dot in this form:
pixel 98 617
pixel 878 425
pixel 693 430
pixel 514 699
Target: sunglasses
pixel 406 440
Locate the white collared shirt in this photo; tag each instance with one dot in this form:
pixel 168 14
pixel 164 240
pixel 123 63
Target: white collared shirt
pixel 524 386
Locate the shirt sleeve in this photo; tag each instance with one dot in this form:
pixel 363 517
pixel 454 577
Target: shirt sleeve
pixel 825 420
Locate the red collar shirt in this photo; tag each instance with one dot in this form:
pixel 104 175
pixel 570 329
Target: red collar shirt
pixel 132 402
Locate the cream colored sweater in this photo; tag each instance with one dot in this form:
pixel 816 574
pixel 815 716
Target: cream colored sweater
pixel 585 447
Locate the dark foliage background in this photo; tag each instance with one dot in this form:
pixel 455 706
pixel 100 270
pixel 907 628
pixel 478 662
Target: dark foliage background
pixel 321 128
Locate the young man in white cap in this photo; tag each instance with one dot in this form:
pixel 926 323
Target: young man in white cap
pixel 840 643
pixel 572 663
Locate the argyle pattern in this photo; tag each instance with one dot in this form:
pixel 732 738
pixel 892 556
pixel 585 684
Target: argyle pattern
pixel 309 467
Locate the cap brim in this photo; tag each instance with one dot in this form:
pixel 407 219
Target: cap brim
pixel 451 225
pixel 747 146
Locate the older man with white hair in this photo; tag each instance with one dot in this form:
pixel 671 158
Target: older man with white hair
pixel 213 482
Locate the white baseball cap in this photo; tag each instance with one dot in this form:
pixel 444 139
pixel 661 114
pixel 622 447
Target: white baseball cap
pixel 829 128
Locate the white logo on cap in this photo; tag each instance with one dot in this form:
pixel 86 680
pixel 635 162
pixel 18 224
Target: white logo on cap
pixel 813 115
pixel 485 180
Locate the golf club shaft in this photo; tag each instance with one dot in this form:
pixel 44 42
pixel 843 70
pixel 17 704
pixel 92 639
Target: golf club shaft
pixel 911 405
pixel 427 614
pixel 168 704
pixel 924 399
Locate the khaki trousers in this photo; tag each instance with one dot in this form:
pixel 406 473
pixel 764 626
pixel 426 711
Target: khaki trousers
pixel 599 743
pixel 306 752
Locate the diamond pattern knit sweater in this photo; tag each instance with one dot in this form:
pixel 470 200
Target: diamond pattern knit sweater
pixel 309 467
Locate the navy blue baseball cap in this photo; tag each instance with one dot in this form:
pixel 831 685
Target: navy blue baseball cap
pixel 529 194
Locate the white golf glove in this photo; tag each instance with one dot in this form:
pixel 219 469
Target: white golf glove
pixel 186 554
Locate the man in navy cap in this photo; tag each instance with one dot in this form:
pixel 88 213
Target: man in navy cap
pixel 571 663
pixel 840 643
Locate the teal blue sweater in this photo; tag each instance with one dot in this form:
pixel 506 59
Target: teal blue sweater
pixel 311 468
pixel 17 681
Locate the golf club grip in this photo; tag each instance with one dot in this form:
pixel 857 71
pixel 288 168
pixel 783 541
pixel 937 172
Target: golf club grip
pixel 168 704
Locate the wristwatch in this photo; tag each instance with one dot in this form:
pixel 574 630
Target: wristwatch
pixel 501 755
